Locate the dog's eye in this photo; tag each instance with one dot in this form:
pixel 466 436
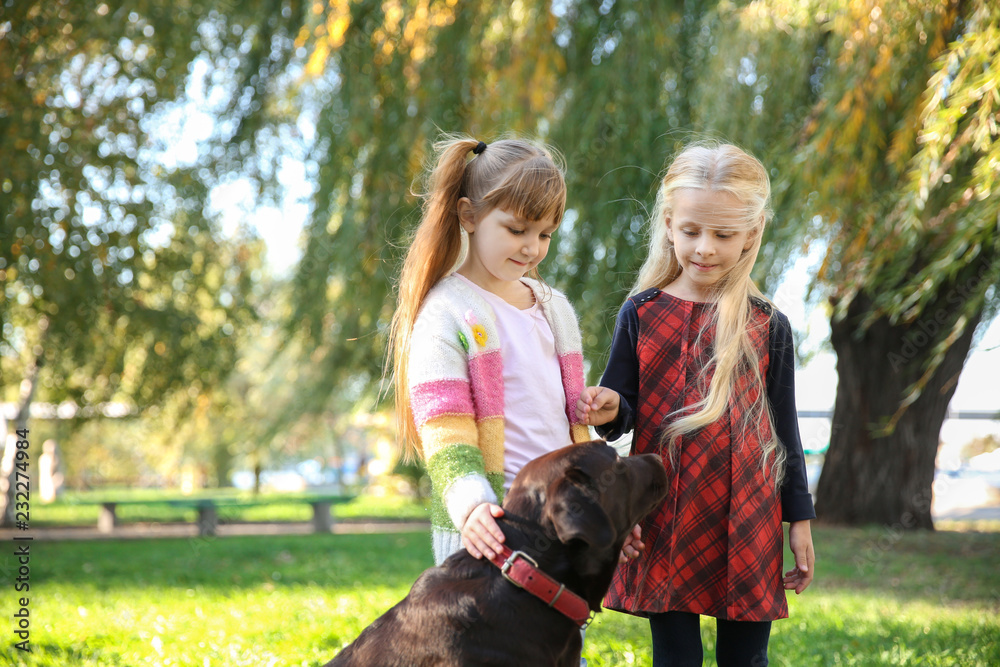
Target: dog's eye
pixel 584 481
pixel 578 476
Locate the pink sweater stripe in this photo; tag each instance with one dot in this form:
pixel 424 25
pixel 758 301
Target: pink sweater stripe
pixel 571 365
pixel 440 397
pixel 484 372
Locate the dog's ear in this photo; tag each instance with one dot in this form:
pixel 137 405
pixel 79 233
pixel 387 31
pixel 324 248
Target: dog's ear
pixel 575 514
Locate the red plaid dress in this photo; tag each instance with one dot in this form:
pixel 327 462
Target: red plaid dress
pixel 715 545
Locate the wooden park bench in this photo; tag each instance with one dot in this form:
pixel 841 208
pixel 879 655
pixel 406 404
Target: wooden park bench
pixel 208 509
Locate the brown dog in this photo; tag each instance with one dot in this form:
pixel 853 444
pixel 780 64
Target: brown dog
pixel 570 511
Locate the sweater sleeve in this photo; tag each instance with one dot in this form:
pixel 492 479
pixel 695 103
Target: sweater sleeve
pixel 569 350
pixel 441 396
pixel 622 372
pixel 796 501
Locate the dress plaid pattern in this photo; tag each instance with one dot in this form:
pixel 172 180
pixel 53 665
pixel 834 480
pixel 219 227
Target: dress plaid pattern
pixel 715 545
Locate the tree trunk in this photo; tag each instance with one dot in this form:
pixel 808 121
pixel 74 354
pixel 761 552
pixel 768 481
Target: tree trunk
pixel 258 470
pixel 7 467
pixel 885 477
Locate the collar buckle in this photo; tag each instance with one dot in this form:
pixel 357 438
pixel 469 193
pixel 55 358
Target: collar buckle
pixel 509 563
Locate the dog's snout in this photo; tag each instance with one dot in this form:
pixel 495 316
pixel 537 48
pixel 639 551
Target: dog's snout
pixel 650 459
pixel 655 462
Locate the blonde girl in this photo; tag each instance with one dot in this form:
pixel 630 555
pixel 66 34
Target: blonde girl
pixel 702 368
pixel 488 362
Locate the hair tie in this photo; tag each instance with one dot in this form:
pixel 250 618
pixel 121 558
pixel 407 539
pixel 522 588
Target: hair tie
pixel 480 147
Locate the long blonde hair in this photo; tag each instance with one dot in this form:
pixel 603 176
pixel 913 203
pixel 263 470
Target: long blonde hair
pixel 515 175
pixel 721 168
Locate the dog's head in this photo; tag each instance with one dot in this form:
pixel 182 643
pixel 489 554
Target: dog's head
pixel 587 495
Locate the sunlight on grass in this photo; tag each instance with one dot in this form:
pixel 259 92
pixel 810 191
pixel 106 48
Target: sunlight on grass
pixel 880 599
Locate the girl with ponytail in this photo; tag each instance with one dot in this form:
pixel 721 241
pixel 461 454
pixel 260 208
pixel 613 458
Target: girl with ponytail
pixel 487 359
pixel 702 368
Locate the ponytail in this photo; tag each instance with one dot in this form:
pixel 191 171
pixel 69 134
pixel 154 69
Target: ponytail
pixel 434 252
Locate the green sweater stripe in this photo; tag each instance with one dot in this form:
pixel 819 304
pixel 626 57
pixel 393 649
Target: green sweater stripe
pixel 439 514
pixel 452 463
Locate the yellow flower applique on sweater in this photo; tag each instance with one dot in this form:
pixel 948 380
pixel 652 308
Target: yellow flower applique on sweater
pixel 479 333
pixel 478 330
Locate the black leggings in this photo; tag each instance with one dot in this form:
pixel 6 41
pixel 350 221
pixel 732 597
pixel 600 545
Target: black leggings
pixel 677 641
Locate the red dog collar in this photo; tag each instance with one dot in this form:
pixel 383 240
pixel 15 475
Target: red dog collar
pixel 521 570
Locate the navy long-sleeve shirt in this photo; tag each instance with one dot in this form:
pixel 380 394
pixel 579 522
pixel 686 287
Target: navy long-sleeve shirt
pixel 622 375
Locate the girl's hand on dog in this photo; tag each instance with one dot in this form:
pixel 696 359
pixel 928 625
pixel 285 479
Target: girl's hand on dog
pixel 481 535
pixel 597 405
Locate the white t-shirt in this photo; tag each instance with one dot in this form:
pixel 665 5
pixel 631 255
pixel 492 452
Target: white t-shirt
pixel 535 420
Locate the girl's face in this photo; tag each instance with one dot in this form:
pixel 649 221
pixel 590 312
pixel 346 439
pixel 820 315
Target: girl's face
pixel 706 229
pixel 503 248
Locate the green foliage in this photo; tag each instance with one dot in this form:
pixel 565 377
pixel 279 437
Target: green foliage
pixel 589 80
pixel 854 123
pixel 117 122
pixel 415 474
pixel 898 161
pixel 114 273
pixel 879 125
pixel 623 106
pixel 880 599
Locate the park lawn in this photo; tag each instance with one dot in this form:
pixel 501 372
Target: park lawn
pixel 882 598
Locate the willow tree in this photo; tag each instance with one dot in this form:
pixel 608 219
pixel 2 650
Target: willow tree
pixel 914 257
pixel 118 284
pixel 892 173
pixel 878 124
pixel 624 105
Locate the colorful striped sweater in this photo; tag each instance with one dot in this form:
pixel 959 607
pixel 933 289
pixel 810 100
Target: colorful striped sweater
pixel 456 394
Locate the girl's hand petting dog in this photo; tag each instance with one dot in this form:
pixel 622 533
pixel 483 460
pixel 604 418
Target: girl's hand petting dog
pixel 481 535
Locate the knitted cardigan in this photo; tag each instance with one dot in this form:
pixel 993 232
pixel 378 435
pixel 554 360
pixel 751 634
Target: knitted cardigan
pixel 456 393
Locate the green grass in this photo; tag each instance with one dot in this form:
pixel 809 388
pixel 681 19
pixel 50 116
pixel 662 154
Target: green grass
pixel 881 598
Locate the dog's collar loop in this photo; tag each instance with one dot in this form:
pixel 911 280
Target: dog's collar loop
pixel 522 570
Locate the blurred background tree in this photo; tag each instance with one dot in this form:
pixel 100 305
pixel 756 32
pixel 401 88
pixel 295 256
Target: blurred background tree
pixel 892 174
pixel 118 284
pixel 878 123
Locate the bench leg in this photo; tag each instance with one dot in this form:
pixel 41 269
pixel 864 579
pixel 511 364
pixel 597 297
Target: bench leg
pixel 322 517
pixel 208 521
pixel 106 520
